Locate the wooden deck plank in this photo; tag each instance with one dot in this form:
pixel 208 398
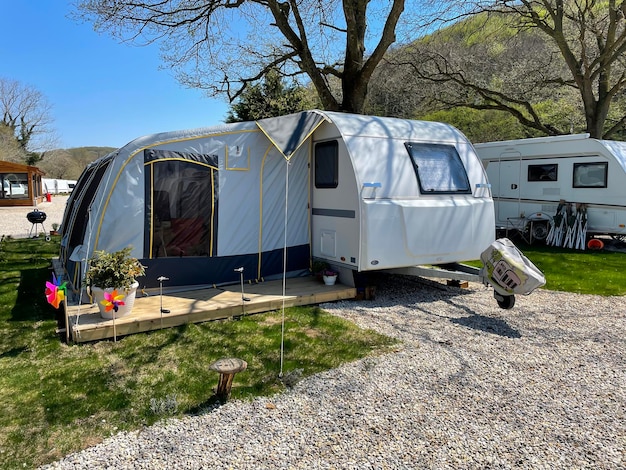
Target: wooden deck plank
pixel 201 305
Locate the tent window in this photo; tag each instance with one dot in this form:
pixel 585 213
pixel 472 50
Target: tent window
pixel 184 207
pixel 87 189
pixel 438 168
pixel 327 164
pixel 590 175
pixel 547 172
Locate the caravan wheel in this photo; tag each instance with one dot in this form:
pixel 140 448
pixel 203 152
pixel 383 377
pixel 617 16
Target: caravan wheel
pixel 505 302
pixel 539 231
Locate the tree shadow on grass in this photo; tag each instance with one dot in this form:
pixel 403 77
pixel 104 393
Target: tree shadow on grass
pixel 14 352
pixel 31 303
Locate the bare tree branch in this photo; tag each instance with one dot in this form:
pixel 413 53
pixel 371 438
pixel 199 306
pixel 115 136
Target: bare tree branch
pixel 25 120
pixel 223 46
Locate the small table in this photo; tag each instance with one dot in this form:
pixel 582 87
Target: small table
pixel 227 368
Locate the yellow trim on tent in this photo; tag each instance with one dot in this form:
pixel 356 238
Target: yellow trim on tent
pixel 227 167
pixel 269 148
pixel 213 215
pixel 178 159
pixel 151 242
pixel 305 139
pixel 213 170
pixel 132 155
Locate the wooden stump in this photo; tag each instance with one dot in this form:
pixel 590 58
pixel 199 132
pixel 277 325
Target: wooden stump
pixel 227 368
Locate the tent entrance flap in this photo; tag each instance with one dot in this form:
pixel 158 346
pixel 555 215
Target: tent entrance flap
pixel 288 133
pixel 181 204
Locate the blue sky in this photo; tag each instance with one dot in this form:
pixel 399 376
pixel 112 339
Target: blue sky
pixel 102 93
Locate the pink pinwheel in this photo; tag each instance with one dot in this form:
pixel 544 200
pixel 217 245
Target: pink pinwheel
pixel 55 291
pixel 112 301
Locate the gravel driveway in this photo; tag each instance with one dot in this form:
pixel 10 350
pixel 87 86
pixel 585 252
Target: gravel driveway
pixel 14 221
pixel 541 386
pixel 471 386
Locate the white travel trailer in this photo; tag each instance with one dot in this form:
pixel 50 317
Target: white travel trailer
pixel 361 192
pixel 58 186
pixel 529 177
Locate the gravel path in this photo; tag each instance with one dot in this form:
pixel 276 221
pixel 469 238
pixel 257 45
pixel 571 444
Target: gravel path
pixel 13 220
pixel 471 386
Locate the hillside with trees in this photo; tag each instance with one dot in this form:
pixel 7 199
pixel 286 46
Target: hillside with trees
pixel 528 68
pixel 496 70
pixel 69 163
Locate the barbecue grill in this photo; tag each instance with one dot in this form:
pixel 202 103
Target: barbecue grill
pixel 36 217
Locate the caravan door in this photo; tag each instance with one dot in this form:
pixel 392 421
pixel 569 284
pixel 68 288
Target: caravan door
pixel 334 213
pixel 506 191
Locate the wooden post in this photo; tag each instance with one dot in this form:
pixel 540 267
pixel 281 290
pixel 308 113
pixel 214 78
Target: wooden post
pixel 227 368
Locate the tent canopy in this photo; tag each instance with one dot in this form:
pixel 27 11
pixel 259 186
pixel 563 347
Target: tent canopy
pixel 288 133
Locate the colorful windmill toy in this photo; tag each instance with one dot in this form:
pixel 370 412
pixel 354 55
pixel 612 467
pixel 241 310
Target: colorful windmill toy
pixel 55 291
pixel 112 301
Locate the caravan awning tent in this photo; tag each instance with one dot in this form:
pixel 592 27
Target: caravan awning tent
pixel 195 204
pixel 364 192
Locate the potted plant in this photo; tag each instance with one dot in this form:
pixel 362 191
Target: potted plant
pixel 318 267
pixel 330 276
pixel 55 228
pixel 112 280
pixel 322 270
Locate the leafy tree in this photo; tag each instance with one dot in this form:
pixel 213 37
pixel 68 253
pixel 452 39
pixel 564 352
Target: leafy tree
pixel 565 50
pixel 591 38
pixel 271 98
pixel 224 46
pixel 482 125
pixel 25 123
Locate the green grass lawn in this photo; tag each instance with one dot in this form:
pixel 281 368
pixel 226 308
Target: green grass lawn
pixel 57 398
pixel 583 272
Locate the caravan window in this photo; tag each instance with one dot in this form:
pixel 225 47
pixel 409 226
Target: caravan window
pixel 438 168
pixel 327 164
pixel 590 175
pixel 548 172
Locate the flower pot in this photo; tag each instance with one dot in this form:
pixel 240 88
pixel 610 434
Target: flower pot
pixel 330 280
pixel 122 310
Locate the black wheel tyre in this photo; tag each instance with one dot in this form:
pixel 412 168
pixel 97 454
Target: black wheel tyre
pixel 507 302
pixel 540 231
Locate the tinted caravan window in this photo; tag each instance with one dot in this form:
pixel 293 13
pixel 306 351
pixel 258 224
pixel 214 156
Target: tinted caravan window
pixel 590 175
pixel 547 172
pixel 438 168
pixel 327 164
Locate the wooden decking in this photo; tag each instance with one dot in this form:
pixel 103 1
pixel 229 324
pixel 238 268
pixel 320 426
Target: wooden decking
pixel 195 306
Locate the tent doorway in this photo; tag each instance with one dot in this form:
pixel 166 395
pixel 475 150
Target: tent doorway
pixel 182 205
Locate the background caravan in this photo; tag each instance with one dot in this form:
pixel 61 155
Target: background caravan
pixel 529 177
pixel 58 186
pixel 364 193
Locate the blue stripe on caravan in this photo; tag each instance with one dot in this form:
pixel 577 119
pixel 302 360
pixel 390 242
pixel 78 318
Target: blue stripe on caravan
pixel 346 214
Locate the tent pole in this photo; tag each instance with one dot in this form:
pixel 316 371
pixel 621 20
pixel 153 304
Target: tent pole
pixel 282 334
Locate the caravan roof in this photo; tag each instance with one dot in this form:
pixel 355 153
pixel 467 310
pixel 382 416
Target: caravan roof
pixel 553 146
